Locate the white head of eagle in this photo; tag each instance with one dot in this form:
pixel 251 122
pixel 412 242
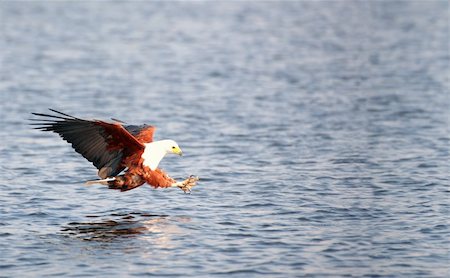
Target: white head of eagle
pixel 155 151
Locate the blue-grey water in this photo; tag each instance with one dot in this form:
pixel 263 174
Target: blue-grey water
pixel 320 131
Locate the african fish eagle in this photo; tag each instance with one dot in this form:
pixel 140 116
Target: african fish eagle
pixel 113 147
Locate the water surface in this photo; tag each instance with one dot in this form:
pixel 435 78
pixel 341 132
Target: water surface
pixel 320 131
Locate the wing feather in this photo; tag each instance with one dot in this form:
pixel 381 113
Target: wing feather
pixel 104 144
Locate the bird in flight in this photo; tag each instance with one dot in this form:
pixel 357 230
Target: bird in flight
pixel 125 155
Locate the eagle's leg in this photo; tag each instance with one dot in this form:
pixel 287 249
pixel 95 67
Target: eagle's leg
pixel 126 182
pixel 187 184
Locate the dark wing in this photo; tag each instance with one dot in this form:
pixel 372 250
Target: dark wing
pixel 104 144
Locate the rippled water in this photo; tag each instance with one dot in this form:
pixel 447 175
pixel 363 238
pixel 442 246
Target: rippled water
pixel 320 131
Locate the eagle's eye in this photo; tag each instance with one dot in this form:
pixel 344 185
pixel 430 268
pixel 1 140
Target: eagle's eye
pixel 173 147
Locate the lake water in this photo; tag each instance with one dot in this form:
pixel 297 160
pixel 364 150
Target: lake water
pixel 320 131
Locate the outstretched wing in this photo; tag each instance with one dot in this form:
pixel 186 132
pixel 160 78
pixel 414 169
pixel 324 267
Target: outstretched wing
pixel 104 144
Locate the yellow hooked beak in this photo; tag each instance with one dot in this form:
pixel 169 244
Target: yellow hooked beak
pixel 177 150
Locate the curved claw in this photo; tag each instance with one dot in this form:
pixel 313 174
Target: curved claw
pixel 188 183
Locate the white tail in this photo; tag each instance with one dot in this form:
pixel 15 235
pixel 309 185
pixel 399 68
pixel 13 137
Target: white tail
pixel 104 181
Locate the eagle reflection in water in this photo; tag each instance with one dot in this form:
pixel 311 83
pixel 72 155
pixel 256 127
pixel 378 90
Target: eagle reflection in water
pixel 119 226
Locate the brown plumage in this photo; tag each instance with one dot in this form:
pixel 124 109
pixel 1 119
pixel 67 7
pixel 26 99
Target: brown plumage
pixel 113 148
